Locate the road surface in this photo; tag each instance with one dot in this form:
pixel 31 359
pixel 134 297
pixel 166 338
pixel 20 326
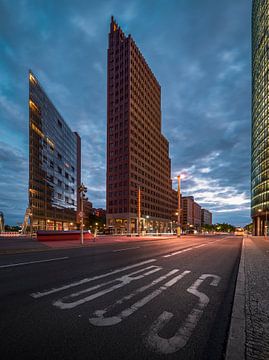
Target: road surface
pixel 161 299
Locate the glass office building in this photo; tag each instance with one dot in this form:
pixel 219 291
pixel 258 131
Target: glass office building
pixel 54 164
pixel 260 117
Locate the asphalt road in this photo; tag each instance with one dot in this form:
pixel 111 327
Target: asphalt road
pixel 162 299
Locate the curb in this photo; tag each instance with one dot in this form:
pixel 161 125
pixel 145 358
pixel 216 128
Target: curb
pixel 237 333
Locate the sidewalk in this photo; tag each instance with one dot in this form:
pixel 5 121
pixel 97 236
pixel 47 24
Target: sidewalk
pixel 249 330
pixel 20 244
pixel 24 244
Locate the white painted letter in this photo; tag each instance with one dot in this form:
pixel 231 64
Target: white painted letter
pixel 181 337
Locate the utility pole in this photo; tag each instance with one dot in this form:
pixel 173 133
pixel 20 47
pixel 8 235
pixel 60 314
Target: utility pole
pixel 82 190
pixel 179 206
pixel 138 210
pixel 266 226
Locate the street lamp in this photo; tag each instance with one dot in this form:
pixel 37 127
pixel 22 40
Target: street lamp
pixel 31 223
pixel 179 206
pixel 82 190
pixel 266 226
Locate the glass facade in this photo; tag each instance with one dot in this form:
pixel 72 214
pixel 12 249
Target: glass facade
pixel 260 116
pixel 54 164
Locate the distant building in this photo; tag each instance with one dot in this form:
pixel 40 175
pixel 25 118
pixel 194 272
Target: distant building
pixel 260 118
pixel 87 212
pixel 99 212
pixel 206 217
pixel 137 151
pixel 196 216
pixel 187 212
pixel 191 214
pixel 54 164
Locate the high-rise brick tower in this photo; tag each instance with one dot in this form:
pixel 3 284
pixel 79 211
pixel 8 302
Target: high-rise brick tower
pixel 137 152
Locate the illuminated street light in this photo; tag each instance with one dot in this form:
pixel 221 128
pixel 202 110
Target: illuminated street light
pixel 179 207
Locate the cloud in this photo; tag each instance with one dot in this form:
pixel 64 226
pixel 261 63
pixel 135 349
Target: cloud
pixel 11 109
pixel 200 54
pixel 13 182
pixel 211 192
pixel 89 28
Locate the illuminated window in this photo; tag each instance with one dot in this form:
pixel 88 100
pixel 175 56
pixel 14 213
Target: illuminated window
pixel 37 131
pixel 51 144
pixel 32 79
pixel 33 106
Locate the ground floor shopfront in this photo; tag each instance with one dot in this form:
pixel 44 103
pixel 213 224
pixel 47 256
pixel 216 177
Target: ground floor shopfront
pixel 48 224
pixel 132 225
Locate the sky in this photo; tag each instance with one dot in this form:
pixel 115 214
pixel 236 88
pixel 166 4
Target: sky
pixel 199 51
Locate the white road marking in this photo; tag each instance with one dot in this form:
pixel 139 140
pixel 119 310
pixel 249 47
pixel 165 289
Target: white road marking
pixel 178 252
pixel 86 280
pixel 123 281
pixel 188 249
pixel 181 337
pixel 125 249
pixel 32 262
pixel 99 320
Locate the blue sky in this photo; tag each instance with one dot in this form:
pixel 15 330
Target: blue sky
pixel 198 50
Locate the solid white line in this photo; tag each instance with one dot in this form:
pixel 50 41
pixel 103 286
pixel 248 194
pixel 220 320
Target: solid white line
pixel 86 280
pixel 125 249
pixel 33 262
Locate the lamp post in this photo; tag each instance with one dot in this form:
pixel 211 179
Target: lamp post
pixel 265 226
pixel 138 210
pixel 31 223
pixel 82 190
pixel 179 206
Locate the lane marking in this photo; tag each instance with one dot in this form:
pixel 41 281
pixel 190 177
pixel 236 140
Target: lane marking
pixel 125 249
pixel 33 262
pixel 162 345
pixel 99 319
pixel 86 280
pixel 123 281
pixel 177 252
pixel 188 249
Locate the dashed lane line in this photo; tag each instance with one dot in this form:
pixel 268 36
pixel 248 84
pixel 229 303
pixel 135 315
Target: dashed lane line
pixel 126 249
pixel 189 249
pixel 32 262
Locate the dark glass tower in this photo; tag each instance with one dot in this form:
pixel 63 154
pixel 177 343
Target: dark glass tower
pixel 137 151
pixel 260 116
pixel 54 164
